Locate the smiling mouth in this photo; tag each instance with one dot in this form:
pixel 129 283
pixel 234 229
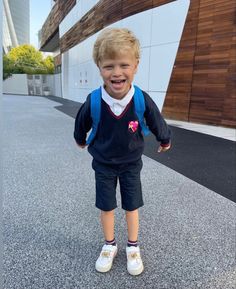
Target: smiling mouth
pixel 118 81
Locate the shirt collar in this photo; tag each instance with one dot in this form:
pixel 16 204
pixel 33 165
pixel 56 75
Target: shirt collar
pixel 122 102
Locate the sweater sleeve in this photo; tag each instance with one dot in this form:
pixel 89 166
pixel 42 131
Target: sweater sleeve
pixel 156 122
pixel 83 122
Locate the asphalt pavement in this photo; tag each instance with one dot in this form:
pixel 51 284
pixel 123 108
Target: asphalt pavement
pixel 52 235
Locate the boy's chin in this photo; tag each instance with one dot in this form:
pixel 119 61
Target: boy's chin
pixel 119 94
pixel 120 86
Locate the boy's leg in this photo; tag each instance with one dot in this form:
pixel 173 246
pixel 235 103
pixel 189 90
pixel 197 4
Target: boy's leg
pixel 109 250
pixel 134 261
pixel 106 182
pixel 132 219
pixel 131 194
pixel 108 220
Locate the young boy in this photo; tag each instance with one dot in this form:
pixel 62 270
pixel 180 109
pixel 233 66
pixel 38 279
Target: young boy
pixel 118 143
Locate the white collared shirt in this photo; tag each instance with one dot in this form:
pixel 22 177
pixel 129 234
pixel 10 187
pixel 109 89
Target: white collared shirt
pixel 117 106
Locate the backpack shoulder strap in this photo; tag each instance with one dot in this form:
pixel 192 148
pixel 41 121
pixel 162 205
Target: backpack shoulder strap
pixel 95 112
pixel 139 104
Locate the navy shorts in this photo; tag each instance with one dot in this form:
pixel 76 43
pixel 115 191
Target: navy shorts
pixel 130 185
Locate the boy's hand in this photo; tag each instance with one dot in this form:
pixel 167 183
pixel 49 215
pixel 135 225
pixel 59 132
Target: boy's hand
pixel 163 148
pixel 82 146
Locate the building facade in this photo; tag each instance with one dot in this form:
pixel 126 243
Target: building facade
pixel 16 23
pixel 188 52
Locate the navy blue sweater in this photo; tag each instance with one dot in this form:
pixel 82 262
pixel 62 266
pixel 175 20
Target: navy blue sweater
pixel 116 142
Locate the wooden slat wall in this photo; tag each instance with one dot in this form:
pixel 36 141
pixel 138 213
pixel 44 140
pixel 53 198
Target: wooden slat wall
pixel 57 60
pixel 112 11
pixel 65 7
pixel 132 7
pixel 202 85
pixel 229 109
pixel 207 94
pixel 51 26
pixel 212 96
pixel 104 13
pixel 177 101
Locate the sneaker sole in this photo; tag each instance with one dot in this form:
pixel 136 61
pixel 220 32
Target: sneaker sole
pixel 105 269
pixel 136 272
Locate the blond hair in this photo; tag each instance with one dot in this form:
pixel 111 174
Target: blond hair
pixel 112 42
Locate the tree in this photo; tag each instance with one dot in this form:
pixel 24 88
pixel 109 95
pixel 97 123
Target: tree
pixel 27 59
pixel 7 67
pixel 49 64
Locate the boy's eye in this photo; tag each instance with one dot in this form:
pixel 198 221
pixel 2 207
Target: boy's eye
pixel 125 65
pixel 108 67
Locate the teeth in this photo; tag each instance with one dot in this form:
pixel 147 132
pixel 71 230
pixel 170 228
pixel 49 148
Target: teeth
pixel 117 81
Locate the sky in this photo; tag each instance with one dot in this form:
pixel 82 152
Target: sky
pixel 39 10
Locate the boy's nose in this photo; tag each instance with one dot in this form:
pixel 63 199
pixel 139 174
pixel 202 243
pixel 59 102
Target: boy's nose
pixel 116 71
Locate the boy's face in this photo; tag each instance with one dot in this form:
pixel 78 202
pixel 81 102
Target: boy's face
pixel 118 74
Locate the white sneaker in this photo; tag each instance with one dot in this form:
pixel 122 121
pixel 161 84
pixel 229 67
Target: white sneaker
pixel 105 260
pixel 134 261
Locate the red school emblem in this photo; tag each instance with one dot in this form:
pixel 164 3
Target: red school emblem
pixel 133 126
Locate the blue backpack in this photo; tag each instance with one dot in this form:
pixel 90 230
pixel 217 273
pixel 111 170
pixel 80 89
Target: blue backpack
pixel 95 108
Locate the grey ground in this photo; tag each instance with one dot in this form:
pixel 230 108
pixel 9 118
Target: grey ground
pixel 52 234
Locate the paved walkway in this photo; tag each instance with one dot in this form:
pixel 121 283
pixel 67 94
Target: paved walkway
pixel 222 132
pixel 52 235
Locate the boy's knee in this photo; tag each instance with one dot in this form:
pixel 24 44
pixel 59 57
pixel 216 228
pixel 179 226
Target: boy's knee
pixel 107 212
pixel 130 212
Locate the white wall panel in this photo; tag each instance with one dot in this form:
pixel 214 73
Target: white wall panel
pixel 162 60
pixel 57 85
pixel 76 13
pixel 85 50
pixel 76 95
pixel 70 79
pixel 168 22
pixel 73 56
pixel 86 75
pixel 96 80
pixel 81 95
pixel 80 76
pixel 140 24
pixel 79 53
pixel 16 84
pixel 158 97
pixel 89 71
pixel 142 76
pixel 69 93
pixel 159 38
pixel 88 48
pixel 65 74
pixel 74 76
pixel 70 19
